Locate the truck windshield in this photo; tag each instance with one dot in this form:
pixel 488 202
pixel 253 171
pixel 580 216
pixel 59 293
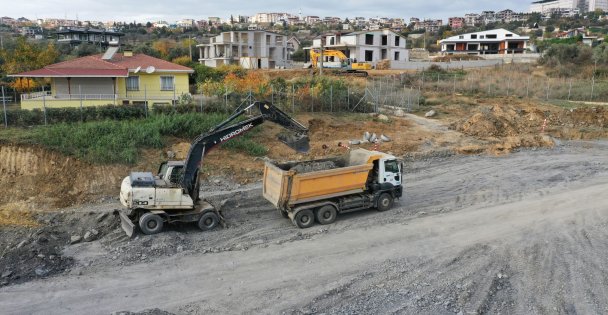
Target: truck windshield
pixel 391 166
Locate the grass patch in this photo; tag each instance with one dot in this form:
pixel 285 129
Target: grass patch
pixel 120 141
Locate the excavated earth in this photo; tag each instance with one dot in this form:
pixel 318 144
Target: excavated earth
pixel 504 211
pixel 474 234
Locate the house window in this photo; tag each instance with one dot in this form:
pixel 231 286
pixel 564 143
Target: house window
pixel 396 55
pixel 397 41
pixel 369 39
pixel 509 35
pixel 473 36
pixel 461 37
pixel 132 83
pixel 481 36
pixel 369 55
pixel 491 36
pixel 167 83
pixel 384 40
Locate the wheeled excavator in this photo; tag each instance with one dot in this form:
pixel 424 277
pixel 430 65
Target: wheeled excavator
pixel 345 65
pixel 172 195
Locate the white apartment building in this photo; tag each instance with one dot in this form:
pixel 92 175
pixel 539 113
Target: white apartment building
pixel 546 7
pixel 249 49
pixel 367 46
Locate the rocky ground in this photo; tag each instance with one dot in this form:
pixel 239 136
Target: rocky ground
pixel 474 234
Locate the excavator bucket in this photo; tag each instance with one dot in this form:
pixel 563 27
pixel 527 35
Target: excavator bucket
pixel 300 143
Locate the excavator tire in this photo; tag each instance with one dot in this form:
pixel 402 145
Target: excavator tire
pixel 208 221
pixel 304 219
pixel 150 223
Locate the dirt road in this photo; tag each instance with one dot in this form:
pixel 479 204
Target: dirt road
pixel 523 233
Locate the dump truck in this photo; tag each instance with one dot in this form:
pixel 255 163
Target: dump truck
pixel 319 190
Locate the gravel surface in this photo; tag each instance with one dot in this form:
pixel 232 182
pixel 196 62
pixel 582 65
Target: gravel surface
pixel 523 233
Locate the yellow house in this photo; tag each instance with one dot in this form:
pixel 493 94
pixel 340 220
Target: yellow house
pixel 112 78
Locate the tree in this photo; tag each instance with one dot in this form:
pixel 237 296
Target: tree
pixel 27 56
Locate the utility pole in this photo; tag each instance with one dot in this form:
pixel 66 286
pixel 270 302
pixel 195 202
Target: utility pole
pixel 190 46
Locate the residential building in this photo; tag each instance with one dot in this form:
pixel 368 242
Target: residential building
pixel 250 49
pixel 430 26
pixel 472 19
pixel 76 36
pixel 214 21
pixel 293 45
pixel 488 17
pixel 186 24
pixel 312 19
pixel 456 22
pixel 497 41
pixel 366 46
pixel 548 7
pixel 111 78
pixel 276 17
pixel 593 5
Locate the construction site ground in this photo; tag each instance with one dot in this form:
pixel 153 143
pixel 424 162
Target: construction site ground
pixel 504 211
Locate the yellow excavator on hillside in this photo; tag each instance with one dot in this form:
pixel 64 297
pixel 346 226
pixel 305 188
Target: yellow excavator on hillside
pixel 346 66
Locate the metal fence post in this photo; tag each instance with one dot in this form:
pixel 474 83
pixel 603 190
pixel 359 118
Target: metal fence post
pixel 293 98
pixel 80 93
pixel 4 109
pixel 454 92
pixel 44 105
pixel 331 98
pixel 570 89
pixel 528 88
pixel 348 97
pixel 174 97
pixel 592 87
pixel 202 98
pixel 146 100
pixel 547 90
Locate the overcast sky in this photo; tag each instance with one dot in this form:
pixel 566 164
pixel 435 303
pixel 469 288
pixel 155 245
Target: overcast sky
pixel 174 10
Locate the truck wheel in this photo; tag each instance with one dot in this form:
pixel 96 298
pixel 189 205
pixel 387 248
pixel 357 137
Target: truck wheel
pixel 150 223
pixel 304 219
pixel 208 221
pixel 385 202
pixel 326 214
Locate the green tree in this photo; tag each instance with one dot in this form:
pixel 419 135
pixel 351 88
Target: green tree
pixel 27 56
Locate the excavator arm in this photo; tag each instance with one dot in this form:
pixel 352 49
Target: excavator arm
pixel 228 129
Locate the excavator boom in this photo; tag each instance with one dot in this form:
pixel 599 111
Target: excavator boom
pixel 297 139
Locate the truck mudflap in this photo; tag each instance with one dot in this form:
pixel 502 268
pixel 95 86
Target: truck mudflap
pixel 126 223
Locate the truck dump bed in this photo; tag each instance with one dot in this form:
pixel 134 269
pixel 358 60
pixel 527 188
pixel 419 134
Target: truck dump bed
pixel 289 184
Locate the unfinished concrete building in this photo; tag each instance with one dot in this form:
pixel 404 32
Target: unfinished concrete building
pixel 249 49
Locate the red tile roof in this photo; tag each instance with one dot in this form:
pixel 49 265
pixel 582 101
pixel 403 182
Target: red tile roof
pixel 94 66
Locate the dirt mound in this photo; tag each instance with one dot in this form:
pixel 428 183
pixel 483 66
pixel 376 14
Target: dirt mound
pixel 491 122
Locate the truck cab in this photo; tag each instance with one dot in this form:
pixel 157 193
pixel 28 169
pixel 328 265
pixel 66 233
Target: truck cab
pixel 389 172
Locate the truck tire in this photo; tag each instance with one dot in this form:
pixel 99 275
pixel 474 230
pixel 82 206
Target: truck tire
pixel 326 214
pixel 385 202
pixel 208 221
pixel 304 219
pixel 150 223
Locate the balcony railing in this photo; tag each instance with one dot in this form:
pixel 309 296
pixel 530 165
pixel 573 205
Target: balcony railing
pixel 46 95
